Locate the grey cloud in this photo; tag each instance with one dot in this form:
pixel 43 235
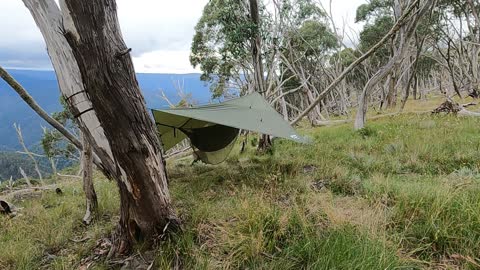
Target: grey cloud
pixel 152 39
pixel 25 58
pixel 147 26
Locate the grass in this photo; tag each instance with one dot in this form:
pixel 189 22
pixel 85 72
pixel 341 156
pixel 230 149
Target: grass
pixel 404 193
pixel 45 231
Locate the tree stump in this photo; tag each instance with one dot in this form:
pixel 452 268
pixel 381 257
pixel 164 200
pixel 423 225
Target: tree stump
pixel 7 208
pixel 475 94
pixel 449 106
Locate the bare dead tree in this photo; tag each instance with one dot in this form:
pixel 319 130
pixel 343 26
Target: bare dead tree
pixel 457 51
pixel 88 157
pixel 401 21
pixel 53 162
pixel 419 42
pixel 405 37
pixel 10 183
pixel 24 175
pixel 27 152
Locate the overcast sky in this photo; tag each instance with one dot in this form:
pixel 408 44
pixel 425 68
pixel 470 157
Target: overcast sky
pixel 158 31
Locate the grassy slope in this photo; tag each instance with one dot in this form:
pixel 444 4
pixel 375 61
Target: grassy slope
pixel 403 193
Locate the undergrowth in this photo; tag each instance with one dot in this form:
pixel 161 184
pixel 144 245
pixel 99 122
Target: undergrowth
pixel 403 193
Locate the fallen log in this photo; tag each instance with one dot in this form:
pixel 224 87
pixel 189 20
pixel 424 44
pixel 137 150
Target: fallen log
pixel 450 106
pixel 178 152
pixel 475 94
pixel 468 113
pixel 320 123
pixel 469 104
pixel 7 208
pixel 30 192
pixel 69 176
pixel 344 121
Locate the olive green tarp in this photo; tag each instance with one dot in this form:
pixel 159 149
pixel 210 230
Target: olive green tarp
pixel 213 129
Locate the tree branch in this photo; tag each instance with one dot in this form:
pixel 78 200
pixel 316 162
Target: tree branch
pixel 402 20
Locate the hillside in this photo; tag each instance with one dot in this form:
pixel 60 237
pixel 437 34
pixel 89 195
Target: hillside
pixel 11 161
pixel 42 85
pixel 404 193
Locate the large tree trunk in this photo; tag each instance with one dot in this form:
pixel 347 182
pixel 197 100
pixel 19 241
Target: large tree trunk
pixel 256 47
pixel 96 76
pixel 392 95
pixel 256 44
pixel 415 86
pixel 88 188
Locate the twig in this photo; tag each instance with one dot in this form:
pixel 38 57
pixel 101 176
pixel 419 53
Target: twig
pixel 70 176
pixel 170 155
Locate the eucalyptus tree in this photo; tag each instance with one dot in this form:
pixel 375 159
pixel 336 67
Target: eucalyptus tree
pixel 378 18
pixel 54 143
pixel 401 48
pixel 457 49
pixel 229 45
pixel 97 80
pixel 222 45
pixel 307 47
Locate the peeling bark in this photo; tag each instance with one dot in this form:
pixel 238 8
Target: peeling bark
pixel 49 20
pixel 88 188
pixel 96 76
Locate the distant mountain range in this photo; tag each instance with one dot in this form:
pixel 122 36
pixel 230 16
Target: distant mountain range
pixel 42 85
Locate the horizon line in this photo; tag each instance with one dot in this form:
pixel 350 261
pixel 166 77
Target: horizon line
pixel 136 72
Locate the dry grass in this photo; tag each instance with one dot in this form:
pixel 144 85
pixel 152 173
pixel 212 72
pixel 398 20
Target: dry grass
pixel 403 193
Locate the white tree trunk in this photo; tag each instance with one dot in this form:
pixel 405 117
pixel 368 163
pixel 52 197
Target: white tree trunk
pixel 26 151
pixel 96 76
pixel 88 188
pixel 24 175
pixel 406 34
pixel 50 21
